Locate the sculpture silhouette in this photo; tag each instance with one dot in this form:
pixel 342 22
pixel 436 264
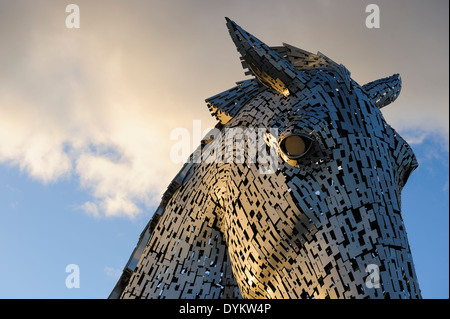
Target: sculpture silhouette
pixel 323 221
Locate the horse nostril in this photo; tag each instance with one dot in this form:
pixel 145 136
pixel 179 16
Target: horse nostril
pixel 294 146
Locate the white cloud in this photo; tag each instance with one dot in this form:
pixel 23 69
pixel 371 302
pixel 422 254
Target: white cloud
pixel 90 208
pixel 72 107
pixel 113 272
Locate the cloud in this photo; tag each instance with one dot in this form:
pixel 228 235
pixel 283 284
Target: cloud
pixel 113 272
pixel 64 121
pixel 74 106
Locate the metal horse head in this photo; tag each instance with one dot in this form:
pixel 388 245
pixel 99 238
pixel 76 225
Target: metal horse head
pixel 324 222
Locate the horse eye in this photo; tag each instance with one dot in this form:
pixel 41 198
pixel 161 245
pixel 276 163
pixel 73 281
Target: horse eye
pixel 295 146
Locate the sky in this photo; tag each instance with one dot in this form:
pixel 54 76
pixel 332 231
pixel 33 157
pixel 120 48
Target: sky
pixel 86 115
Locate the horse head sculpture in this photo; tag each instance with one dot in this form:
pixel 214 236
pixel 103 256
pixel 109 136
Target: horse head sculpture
pixel 320 220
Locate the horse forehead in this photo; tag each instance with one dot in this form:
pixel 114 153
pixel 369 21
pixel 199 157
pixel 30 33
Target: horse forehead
pixel 268 106
pixel 262 110
pixel 326 96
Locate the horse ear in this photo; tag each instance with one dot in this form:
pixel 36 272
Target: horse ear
pixel 384 91
pixel 266 64
pixel 226 105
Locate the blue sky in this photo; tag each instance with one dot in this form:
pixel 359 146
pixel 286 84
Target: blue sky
pixel 86 115
pixel 42 232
